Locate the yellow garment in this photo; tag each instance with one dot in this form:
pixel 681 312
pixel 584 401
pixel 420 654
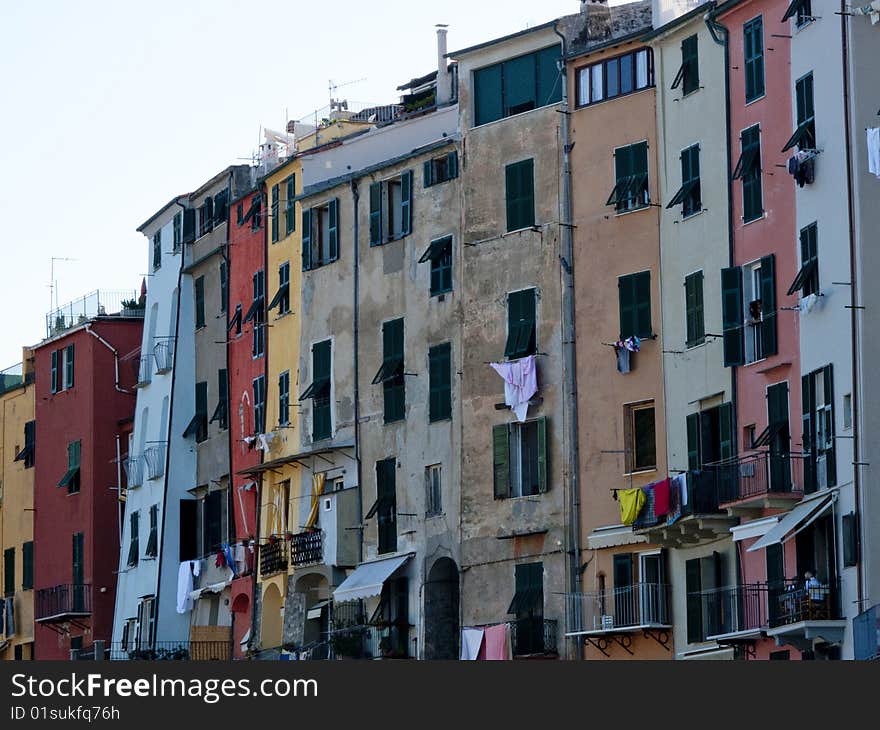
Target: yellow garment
pixel 317 491
pixel 631 503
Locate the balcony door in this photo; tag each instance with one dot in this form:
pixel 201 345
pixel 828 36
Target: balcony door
pixel 777 419
pixel 78 574
pixel 652 604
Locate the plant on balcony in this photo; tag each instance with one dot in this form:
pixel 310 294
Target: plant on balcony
pixel 349 644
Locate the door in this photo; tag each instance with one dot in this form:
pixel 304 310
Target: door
pixel 624 600
pixel 78 589
pixel 651 597
pixel 775 580
pixel 777 417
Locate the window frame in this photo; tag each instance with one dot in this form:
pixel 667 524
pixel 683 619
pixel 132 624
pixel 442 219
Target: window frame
pixel 433 490
pixel 259 393
pixel 507 459
pixel 587 70
pixel 284 398
pixel 754 62
pixel 752 177
pixel 632 184
pixel 695 310
pixel 157 250
pixel 516 346
pixel 440 383
pixel 633 466
pixel 519 195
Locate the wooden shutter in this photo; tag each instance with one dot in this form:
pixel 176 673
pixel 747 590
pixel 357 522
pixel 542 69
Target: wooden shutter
pixel 290 206
pixel 501 460
pixel 768 305
pixel 440 383
pixel 9 571
pixel 200 302
pixel 527 193
pixel 452 165
pixel 627 301
pixel 543 484
pixel 694 601
pixel 726 428
pixel 731 308
pixel 78 568
pixel 189 225
pixel 27 565
pixel 850 530
pixel 512 195
pixel 68 366
pixel 428 172
pixel 307 239
pixel 55 370
pixel 550 80
pixel 488 98
pixel 334 229
pixel 693 441
pixel 689 59
pixel 406 202
pixel 276 194
pixel 376 214
pixel 642 293
pixel 808 408
pixel 830 452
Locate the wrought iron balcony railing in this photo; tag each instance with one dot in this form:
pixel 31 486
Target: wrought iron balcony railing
pixel 160 651
pixel 759 475
pixel 134 471
pixel 792 603
pixel 533 636
pixel 154 459
pixel 640 605
pixel 145 371
pixel 729 610
pixel 273 558
pixel 163 351
pixel 307 548
pixel 62 601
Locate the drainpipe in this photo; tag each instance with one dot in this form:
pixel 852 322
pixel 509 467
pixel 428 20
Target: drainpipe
pixel 119 488
pixel 356 196
pixel 854 324
pixel 88 328
pixel 568 346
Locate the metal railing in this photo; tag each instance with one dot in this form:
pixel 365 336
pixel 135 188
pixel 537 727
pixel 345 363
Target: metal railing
pixel 63 600
pixel 162 651
pixel 134 471
pixel 11 377
pixel 307 548
pixel 145 371
pixel 866 635
pixel 163 351
pixel 273 558
pixel 530 636
pixel 758 475
pixel 792 603
pixel 154 458
pixel 637 605
pixel 96 304
pixel 732 609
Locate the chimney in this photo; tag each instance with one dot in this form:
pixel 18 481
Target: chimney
pixel 597 20
pixel 444 78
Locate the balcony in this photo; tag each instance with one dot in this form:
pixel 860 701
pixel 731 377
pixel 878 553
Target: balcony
pixel 134 471
pixel 63 603
pixel 799 616
pixel 96 304
pixel 307 548
pixel 163 352
pixel 732 614
pixel 641 608
pixel 533 637
pixel 866 635
pixel 145 371
pixel 758 482
pixel 154 459
pixel 273 558
pixel 159 651
pixel 372 642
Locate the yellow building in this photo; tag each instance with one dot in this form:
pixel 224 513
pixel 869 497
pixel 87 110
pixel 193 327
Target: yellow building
pixel 17 455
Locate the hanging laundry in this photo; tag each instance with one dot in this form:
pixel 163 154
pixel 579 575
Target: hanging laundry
pixel 520 384
pixel 623 359
pixel 188 569
pixel 240 559
pixel 647 517
pixel 471 644
pixel 809 303
pixel 661 498
pixel 874 151
pixel 675 506
pixel 2 614
pixel 679 485
pixel 10 617
pixel 801 166
pixel 496 643
pixel 220 559
pixel 265 441
pixel 631 503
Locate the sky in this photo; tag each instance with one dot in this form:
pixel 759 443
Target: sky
pixel 114 108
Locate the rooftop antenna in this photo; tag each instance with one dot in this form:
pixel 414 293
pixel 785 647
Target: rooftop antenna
pixel 53 285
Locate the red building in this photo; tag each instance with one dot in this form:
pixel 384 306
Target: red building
pixel 85 401
pixel 246 260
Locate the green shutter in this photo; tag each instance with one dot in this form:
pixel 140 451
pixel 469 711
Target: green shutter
pixel 694 601
pixel 520 194
pixel 542 455
pixel 634 294
pixel 694 309
pixel 808 408
pixel 731 308
pixel 68 365
pixel 643 304
pixel 768 305
pixel 850 530
pixel 689 58
pixel 428 173
pixel 550 79
pixel 452 165
pixel 9 571
pixel 440 382
pixel 830 452
pixel 290 205
pixel 376 214
pixel 275 212
pixel 511 175
pixel 334 229
pixel 55 370
pixel 501 460
pixel 627 302
pixel 519 84
pixel 726 428
pixel 200 302
pixel 406 196
pixel 27 566
pixel 693 441
pixel 754 58
pixel 488 100
pixel 307 239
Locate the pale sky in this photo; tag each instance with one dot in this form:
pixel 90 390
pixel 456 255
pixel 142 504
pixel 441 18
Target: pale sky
pixel 110 109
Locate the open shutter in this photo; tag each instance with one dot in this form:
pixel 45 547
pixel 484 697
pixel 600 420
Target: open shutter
pixel 189 225
pixel 406 196
pixel 694 602
pixel 452 165
pixel 726 428
pixel 428 171
pixel 643 304
pixel 488 100
pixel 68 367
pixel 808 405
pixel 55 371
pixel 334 229
pixel 731 307
pixel 527 193
pixel 512 191
pixel 376 214
pixel 626 296
pixel 307 240
pixel 542 455
pixel 830 455
pixel 693 441
pixel 501 460
pixel 768 305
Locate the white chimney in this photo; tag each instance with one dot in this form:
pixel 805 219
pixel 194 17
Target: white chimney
pixel 444 78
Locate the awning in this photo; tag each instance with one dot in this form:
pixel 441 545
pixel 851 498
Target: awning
pixel 802 516
pixel 368 579
pixel 755 528
pixel 315 611
pixel 613 536
pixel 285 460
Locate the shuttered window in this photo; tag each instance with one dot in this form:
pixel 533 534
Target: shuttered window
pixel 133 548
pixel 630 190
pixel 820 455
pixel 528 597
pixel 200 302
pixel 54 374
pixel 224 286
pixel 386 512
pixel 439 253
pixel 850 539
pixel 517 85
pixel 689 195
pixel 152 549
pixel 634 294
pixel 214 511
pixel 768 306
pixel 391 209
pixel 732 316
pixel 520 195
pixel 259 405
pixel 393 381
pixel 27 566
pixel 274 225
pixel 750 174
pixel 694 601
pixel 520 459
pixel 807 279
pixel 521 324
pixel 440 383
pixel 753 48
pixel 157 250
pixel 440 169
pixel 9 572
pixel 284 398
pixel 320 235
pixel 69 362
pixel 319 391
pixel 688 76
pixel 289 205
pixel 696 331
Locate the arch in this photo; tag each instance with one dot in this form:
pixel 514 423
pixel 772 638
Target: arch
pixel 270 621
pixel 442 610
pixel 241 603
pixel 316 589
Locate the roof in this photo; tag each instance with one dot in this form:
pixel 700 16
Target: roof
pixel 502 39
pixel 285 460
pixel 421 81
pixel 173 201
pixel 698 11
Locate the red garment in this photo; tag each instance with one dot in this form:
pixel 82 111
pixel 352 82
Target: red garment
pixel 496 645
pixel 661 498
pixel 220 560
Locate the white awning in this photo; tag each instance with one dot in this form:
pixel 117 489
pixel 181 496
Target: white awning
pixel 315 611
pixel 368 579
pixel 803 515
pixel 755 528
pixel 613 536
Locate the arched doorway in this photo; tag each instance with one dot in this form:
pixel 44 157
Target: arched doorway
pixel 316 589
pixel 270 624
pixel 441 611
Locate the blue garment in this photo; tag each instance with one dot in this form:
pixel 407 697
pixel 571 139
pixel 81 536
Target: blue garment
pixel 230 559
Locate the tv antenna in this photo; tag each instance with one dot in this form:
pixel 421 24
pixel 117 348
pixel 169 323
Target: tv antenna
pixel 53 285
pixel 333 87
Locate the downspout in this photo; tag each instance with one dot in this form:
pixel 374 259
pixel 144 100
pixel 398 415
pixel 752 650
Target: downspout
pixel 569 360
pixel 230 488
pixel 356 197
pixel 854 298
pixel 88 328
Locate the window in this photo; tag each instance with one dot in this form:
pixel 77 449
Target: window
pixel 28 452
pixel 441 169
pixel 807 279
pixel 71 478
pixel 631 178
pixel 221 207
pixel 439 253
pixel 804 136
pixel 27 566
pixel 68 366
pixel 153 539
pixel 386 505
pixel 319 391
pixel 257 314
pixel 624 596
pixel 517 85
pixel 200 302
pixel 820 461
pixel 433 491
pixel 9 572
pixel 289 205
pixel 706 616
pixel 235 321
pixel 320 244
pixel 640 437
pixel 850 539
pixel 522 337
pixel 213 521
pixel 520 459
pixel 221 412
pixel 157 250
pixel 206 216
pixel 253 213
pixel 615 76
pixel 710 436
pixel 688 76
pixel 689 194
pixel 284 398
pixel 260 405
pixel 748 169
pixel 391 373
pixel 391 209
pixel 693 296
pixel 282 297
pixel 749 311
pixel 189 225
pixel 440 383
pixel 753 47
pixel 634 294
pixel 520 195
pixel 801 11
pixel 276 193
pixel 528 607
pixel 177 226
pixel 198 426
pixel 146 623
pixel 133 547
pixel 224 286
pixel 62 369
pixel 78 569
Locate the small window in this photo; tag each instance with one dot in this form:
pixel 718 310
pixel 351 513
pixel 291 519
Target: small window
pixel 71 478
pixel 282 296
pixel 133 539
pixel 640 437
pixel 748 169
pixel 807 279
pixel 520 459
pixel 696 331
pixel 284 398
pixel 634 292
pixel 157 250
pixel 522 339
pixel 289 205
pixel 274 224
pixel 753 42
pixel 259 405
pixel 320 245
pixel 319 391
pixel 440 169
pixel 391 374
pixel 391 209
pixel 433 491
pixel 178 231
pixel 688 76
pixel 439 253
pixel 520 195
pixel 440 383
pixel 689 194
pixel 631 178
pixel 200 302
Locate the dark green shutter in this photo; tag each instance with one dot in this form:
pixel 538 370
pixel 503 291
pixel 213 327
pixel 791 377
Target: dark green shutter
pixel 375 214
pixel 768 305
pixel 307 239
pixel 189 225
pixel 643 304
pixel 200 302
pixel 428 172
pixel 276 194
pixel 726 428
pixel 27 566
pixel 550 79
pixel 850 530
pixel 754 59
pixel 452 165
pixel 694 309
pixel 386 483
pixel 290 205
pixel 406 202
pixel 188 548
pixel 808 409
pixel 55 371
pixel 501 460
pixel 732 316
pixel 488 99
pixel 440 382
pixel 689 59
pixel 78 567
pixel 68 366
pixel 334 229
pixel 627 301
pixel 634 293
pixel 542 455
pixel 9 572
pixel 830 452
pixel 693 441
pixel 694 601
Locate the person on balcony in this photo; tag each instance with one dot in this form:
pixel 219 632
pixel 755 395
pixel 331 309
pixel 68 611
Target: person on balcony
pixel 813 587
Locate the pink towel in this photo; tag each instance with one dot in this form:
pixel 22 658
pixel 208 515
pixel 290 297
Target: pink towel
pixel 496 644
pixel 661 498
